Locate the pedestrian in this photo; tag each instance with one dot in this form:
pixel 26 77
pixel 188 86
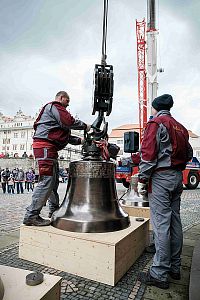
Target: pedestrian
pixel 11 182
pixel 19 179
pixel 5 174
pixel 64 175
pixel 24 155
pixel 3 180
pixel 52 133
pixel 14 172
pixel 30 177
pixel 165 150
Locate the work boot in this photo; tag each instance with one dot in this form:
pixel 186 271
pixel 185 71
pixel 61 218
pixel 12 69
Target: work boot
pixel 175 276
pixel 151 249
pixel 36 221
pixel 147 279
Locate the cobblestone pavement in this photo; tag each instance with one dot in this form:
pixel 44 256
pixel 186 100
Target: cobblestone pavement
pixel 12 208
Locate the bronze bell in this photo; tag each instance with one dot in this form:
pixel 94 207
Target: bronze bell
pixel 91 203
pixel 132 198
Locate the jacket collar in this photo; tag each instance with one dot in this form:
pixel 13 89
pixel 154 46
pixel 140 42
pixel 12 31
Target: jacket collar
pixel 163 112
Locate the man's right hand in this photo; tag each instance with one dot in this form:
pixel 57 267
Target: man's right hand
pixel 88 127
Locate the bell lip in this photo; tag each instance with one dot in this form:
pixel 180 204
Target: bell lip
pixel 134 203
pixel 91 227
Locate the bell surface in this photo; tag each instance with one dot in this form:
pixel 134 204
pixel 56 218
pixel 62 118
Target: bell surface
pixel 91 203
pixel 132 198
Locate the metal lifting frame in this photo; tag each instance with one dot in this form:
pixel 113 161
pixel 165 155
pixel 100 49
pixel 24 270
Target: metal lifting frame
pixel 142 80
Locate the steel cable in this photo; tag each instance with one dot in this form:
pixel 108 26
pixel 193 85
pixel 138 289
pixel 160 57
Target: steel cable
pixel 105 17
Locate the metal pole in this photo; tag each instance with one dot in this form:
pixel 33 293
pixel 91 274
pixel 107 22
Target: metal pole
pixel 151 52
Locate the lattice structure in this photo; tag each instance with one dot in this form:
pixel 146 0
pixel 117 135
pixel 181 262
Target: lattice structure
pixel 142 78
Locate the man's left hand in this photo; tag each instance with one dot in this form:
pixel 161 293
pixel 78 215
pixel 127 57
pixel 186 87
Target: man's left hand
pixel 142 188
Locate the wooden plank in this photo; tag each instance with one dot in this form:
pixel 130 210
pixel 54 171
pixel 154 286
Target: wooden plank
pixel 53 294
pixel 135 211
pixel 114 236
pixel 100 269
pixel 14 281
pixel 129 249
pixel 88 255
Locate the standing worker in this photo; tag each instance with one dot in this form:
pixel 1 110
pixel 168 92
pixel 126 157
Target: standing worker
pixel 52 133
pixel 165 150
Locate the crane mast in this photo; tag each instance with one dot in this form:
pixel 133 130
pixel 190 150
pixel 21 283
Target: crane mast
pixel 142 82
pixel 151 53
pixel 147 64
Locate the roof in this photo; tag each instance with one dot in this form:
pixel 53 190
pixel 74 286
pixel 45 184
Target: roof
pixel 119 131
pixel 192 135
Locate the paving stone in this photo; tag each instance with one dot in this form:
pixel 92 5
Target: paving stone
pixel 74 287
pixel 192 234
pixel 189 242
pixel 176 291
pixel 186 261
pixel 187 251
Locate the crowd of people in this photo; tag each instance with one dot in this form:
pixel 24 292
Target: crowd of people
pixel 17 180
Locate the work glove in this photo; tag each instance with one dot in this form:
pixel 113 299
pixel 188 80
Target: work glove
pixel 142 188
pixel 88 127
pixel 82 141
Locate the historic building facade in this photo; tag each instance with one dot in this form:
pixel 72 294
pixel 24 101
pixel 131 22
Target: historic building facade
pixel 16 138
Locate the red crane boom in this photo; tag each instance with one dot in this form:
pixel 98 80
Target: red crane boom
pixel 142 80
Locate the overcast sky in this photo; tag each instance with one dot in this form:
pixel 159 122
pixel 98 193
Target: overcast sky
pixel 53 45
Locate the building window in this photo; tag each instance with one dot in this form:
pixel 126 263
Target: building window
pixel 14 147
pixel 15 135
pixel 120 152
pixel 119 141
pixel 7 148
pixel 23 134
pixel 22 147
pixel 4 141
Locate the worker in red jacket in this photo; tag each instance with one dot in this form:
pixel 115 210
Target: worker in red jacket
pixel 165 150
pixel 52 133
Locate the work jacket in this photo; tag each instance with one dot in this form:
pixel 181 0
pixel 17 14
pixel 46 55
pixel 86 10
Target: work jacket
pixel 53 126
pixel 165 145
pixel 20 176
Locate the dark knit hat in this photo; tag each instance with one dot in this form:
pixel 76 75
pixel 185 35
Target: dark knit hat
pixel 164 102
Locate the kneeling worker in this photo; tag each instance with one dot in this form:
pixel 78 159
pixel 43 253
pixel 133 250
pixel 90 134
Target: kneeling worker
pixel 52 133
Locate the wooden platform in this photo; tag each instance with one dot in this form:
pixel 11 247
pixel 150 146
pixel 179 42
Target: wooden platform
pixel 136 211
pixel 103 257
pixel 15 287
